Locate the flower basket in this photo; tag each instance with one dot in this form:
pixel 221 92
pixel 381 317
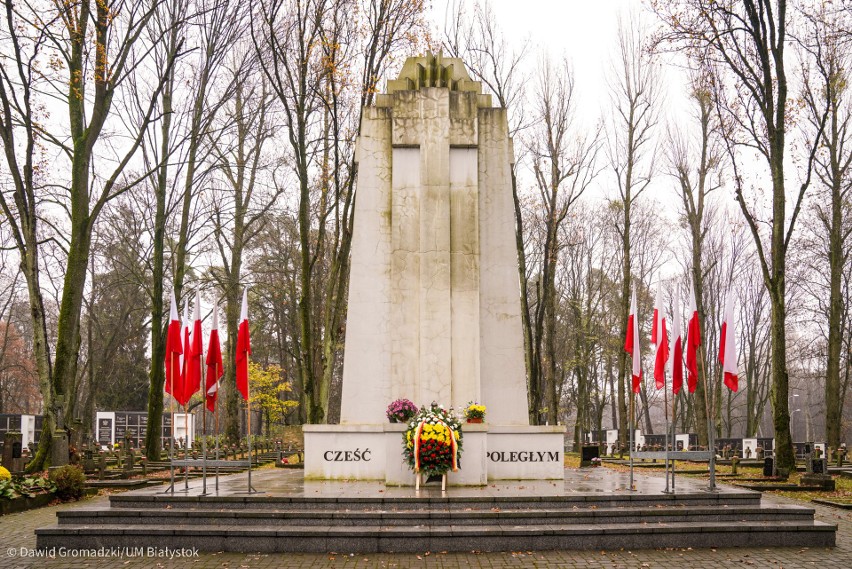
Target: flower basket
pixel 401 411
pixel 475 413
pixel 432 444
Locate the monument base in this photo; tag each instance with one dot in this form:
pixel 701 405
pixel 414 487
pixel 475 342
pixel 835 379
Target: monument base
pixel 490 452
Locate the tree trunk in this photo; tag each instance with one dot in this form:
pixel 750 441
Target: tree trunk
pixel 157 375
pixel 624 391
pixel 836 260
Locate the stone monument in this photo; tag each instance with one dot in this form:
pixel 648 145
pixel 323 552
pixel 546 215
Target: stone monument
pixel 434 301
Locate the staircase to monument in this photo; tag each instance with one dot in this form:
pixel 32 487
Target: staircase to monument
pixel 432 522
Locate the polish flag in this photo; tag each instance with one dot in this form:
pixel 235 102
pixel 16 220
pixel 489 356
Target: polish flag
pixel 659 337
pixel 631 344
pixel 196 352
pixel 728 346
pixel 676 361
pixel 183 397
pixel 243 349
pixel 693 341
pixel 214 364
pixel 174 349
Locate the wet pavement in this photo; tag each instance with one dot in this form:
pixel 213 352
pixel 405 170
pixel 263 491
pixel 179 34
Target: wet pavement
pixel 290 483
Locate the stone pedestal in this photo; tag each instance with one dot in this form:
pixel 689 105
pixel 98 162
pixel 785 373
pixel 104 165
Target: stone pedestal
pixel 397 472
pixel 345 452
pixel 526 452
pixel 490 452
pixel 59 455
pixel 474 466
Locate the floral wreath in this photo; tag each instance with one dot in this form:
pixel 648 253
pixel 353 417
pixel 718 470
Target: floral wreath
pixel 432 444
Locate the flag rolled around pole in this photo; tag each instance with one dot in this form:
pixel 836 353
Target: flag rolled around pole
pixel 661 340
pixel 196 352
pixel 183 396
pixel 174 349
pixel 243 349
pixel 631 344
pixel 215 369
pixel 693 341
pixel 676 361
pixel 728 346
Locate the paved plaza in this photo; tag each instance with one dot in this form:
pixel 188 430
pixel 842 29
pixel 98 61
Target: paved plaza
pixel 17 538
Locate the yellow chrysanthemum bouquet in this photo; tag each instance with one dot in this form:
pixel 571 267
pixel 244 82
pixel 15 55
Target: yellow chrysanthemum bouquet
pixel 475 413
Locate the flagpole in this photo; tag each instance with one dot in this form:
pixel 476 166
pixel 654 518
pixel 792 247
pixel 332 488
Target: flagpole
pixel 666 412
pixel 204 428
pixel 673 430
pixel 172 429
pixel 248 428
pixel 186 446
pixel 216 433
pixel 708 405
pixel 632 429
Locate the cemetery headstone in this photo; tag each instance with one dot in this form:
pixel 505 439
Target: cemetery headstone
pixel 59 450
pixel 588 452
pixel 13 451
pixel 88 459
pixel 129 459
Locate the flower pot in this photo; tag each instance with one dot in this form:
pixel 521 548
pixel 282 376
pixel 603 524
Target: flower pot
pixel 475 420
pixel 393 420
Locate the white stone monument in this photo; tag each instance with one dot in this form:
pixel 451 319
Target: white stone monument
pixel 434 301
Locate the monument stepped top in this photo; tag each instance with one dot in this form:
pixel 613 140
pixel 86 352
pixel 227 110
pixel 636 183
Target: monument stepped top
pixel 430 70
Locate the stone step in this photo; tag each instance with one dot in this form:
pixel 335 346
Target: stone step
pixel 284 503
pixel 444 537
pixel 437 517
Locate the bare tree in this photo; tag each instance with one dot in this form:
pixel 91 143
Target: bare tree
pixel 825 73
pixel 635 93
pixel 748 40
pixel 82 54
pixel 754 344
pixel 248 191
pixel 306 49
pixel 695 161
pixel 180 153
pixel 564 163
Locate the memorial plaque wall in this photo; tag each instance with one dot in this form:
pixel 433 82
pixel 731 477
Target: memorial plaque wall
pixel 118 426
pixel 105 431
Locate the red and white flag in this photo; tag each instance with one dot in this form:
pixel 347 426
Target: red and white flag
pixel 631 344
pixel 196 352
pixel 243 349
pixel 659 337
pixel 214 364
pixel 182 397
pixel 693 341
pixel 174 349
pixel 728 346
pixel 676 361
